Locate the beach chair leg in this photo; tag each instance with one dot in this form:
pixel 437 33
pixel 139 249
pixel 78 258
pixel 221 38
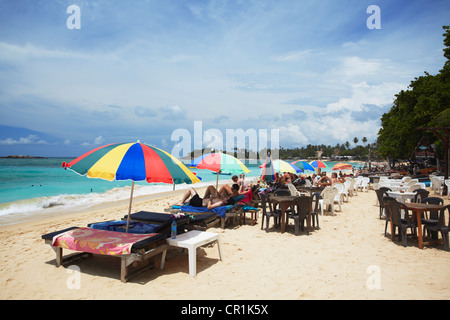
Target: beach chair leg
pixel 220 251
pixel 163 260
pixel 59 256
pixel 192 261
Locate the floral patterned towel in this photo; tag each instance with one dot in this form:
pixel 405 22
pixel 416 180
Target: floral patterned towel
pixel 98 241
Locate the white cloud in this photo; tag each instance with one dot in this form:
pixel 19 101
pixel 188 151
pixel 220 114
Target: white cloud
pixel 365 94
pixel 97 141
pixel 31 139
pixel 173 112
pixel 293 133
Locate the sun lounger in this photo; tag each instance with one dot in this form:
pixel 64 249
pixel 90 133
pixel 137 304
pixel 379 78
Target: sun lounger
pixel 134 227
pixel 196 221
pixel 224 213
pixel 134 250
pixel 163 219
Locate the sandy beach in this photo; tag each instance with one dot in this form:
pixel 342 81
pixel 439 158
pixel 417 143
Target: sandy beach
pixel 338 261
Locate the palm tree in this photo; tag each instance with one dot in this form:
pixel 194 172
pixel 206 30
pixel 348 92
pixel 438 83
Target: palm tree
pixel 355 140
pixel 364 140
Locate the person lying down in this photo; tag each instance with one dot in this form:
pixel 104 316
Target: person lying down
pixel 210 200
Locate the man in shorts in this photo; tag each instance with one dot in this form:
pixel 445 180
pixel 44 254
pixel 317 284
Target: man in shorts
pixel 209 200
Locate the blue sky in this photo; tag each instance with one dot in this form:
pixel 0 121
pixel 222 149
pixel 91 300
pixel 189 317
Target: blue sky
pixel 140 69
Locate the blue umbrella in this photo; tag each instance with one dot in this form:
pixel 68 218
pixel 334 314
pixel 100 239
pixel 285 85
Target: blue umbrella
pixel 303 165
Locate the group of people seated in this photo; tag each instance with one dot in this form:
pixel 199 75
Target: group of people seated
pixel 227 194
pixel 214 198
pixel 321 179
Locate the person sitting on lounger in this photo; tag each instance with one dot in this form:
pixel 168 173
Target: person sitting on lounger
pixel 209 200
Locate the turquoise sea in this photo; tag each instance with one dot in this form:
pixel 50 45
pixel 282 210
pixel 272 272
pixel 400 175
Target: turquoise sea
pixel 30 186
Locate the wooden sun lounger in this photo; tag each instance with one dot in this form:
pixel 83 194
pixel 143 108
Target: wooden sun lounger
pixel 231 215
pixel 132 264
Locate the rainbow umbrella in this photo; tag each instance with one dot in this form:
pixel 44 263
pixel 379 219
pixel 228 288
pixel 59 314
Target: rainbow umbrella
pixel 132 161
pixel 342 166
pixel 303 165
pixel 318 164
pixel 221 162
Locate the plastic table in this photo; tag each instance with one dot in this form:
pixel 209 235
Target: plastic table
pixel 192 240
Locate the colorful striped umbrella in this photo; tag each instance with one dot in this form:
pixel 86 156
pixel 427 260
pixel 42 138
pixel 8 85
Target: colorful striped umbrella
pixel 284 166
pixel 221 162
pixel 318 164
pixel 303 165
pixel 132 161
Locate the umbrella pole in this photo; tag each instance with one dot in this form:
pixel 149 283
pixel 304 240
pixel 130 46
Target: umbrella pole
pixel 129 207
pixel 217 181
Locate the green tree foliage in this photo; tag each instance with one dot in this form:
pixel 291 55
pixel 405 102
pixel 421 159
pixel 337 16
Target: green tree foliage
pixel 421 105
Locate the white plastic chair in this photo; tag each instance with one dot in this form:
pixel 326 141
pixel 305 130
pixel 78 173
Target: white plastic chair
pixel 338 198
pixel 414 187
pixel 353 188
pixel 364 186
pixel 293 190
pixel 406 179
pixel 345 192
pixel 436 185
pixel 329 199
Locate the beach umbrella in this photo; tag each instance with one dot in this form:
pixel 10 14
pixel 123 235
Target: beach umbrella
pixel 318 164
pixel 221 162
pixel 284 166
pixel 303 165
pixel 342 166
pixel 132 161
pixel 197 160
pixel 268 172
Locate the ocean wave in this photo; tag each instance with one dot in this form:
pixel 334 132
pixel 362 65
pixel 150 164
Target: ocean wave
pixel 82 201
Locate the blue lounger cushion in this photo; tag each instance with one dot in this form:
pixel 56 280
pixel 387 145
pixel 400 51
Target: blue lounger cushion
pixel 120 226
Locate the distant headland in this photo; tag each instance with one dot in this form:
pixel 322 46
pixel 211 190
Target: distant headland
pixel 22 157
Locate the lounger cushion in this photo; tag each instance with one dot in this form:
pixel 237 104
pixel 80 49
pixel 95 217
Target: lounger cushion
pixel 157 217
pixel 136 246
pixel 134 227
pixel 221 211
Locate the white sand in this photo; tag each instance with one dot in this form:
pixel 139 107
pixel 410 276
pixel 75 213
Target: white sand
pixel 334 262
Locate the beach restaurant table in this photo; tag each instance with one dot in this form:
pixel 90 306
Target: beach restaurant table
pixel 285 202
pixel 418 208
pixel 311 190
pixel 192 240
pixel 402 195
